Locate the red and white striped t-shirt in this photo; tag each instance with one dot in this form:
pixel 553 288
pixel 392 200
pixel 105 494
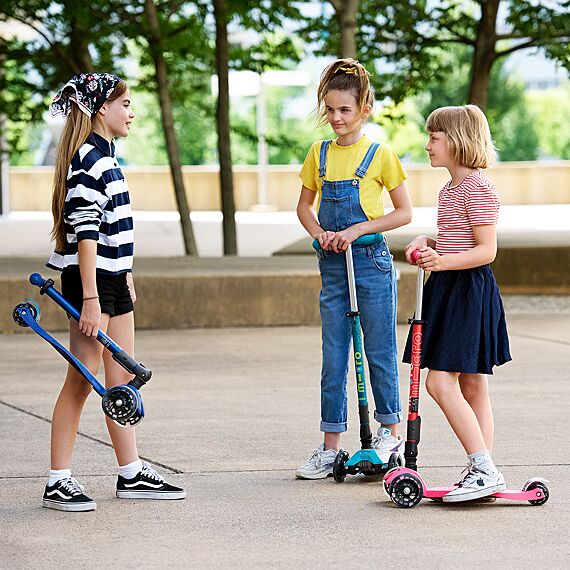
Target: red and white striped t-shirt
pixel 473 202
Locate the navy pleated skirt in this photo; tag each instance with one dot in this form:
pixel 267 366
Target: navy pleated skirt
pixel 465 328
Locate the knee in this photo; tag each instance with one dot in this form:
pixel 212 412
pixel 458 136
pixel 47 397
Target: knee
pixel 77 386
pixel 473 388
pixel 433 387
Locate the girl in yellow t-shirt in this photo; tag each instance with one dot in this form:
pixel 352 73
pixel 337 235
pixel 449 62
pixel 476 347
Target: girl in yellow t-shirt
pixel 348 176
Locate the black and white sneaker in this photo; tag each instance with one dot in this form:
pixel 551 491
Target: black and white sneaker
pixel 148 484
pixel 476 484
pixel 67 495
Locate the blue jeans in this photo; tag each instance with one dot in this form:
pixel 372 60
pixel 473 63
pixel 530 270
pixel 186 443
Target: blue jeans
pixel 377 302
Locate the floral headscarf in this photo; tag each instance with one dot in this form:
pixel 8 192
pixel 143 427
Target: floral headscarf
pixel 88 90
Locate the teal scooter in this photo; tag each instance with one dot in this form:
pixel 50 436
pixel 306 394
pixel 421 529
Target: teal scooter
pixel 366 460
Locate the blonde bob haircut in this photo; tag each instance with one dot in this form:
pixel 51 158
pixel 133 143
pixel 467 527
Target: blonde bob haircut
pixel 467 132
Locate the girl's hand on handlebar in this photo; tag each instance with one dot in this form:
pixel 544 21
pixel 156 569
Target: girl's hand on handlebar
pixel 430 260
pixel 325 239
pixel 343 239
pixel 90 317
pixel 418 243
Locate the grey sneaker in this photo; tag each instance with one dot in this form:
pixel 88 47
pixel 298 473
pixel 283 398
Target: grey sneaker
pixel 319 466
pixel 385 444
pixel 476 485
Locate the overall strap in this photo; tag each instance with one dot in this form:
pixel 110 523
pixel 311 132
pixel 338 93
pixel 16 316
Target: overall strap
pixel 323 158
pixel 361 171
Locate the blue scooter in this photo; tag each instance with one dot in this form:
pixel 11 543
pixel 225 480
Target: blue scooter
pixel 366 459
pixel 122 404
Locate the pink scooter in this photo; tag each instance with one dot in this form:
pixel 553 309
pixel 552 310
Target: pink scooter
pixel 404 485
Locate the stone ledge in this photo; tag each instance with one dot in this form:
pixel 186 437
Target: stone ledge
pixel 177 295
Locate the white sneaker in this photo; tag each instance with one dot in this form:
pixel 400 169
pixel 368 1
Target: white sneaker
pixel 319 466
pixel 385 444
pixel 475 485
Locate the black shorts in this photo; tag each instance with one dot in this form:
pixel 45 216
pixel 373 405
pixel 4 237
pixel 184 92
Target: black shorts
pixel 114 295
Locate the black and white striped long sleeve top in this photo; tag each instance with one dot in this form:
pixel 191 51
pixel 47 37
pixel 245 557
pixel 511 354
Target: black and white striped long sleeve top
pixel 97 207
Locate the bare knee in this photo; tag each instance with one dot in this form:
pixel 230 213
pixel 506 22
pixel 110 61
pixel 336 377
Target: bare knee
pixel 76 385
pixel 474 387
pixel 440 384
pixel 433 387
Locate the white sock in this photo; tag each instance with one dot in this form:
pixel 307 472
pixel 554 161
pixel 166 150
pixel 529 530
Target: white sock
pixel 56 474
pixel 482 461
pixel 131 470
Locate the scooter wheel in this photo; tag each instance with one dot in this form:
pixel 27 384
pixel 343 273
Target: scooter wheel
pixel 136 419
pixel 120 403
pixel 339 467
pixel 28 305
pixel 537 485
pixel 406 490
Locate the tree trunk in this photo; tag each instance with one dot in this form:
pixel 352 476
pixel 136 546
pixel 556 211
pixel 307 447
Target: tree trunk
pixel 161 76
pixel 223 125
pixel 77 52
pixel 345 11
pixel 484 54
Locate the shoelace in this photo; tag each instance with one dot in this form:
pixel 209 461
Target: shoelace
pixel 316 457
pixel 151 473
pixel 72 486
pixel 471 476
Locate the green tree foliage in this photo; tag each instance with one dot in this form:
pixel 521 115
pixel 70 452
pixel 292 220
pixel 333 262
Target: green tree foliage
pixel 404 42
pixel 65 38
pixel 510 120
pixel 551 115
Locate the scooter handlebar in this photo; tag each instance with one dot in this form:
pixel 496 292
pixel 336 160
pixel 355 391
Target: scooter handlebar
pixel 368 239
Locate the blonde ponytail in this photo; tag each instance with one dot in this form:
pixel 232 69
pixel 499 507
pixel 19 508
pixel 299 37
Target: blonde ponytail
pixel 77 128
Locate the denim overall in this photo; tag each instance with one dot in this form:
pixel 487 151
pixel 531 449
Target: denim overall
pixel 376 293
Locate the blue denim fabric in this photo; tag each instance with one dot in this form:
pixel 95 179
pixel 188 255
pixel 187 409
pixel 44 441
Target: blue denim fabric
pixel 377 301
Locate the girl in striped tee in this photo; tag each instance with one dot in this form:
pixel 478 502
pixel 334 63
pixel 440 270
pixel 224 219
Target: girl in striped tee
pixel 93 232
pixel 465 333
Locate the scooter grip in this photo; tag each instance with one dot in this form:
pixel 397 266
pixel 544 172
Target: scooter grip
pixel 37 280
pixel 133 366
pixel 416 254
pixel 368 239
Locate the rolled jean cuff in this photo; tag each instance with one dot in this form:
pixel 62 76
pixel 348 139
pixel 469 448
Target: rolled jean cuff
pixel 333 428
pixel 388 419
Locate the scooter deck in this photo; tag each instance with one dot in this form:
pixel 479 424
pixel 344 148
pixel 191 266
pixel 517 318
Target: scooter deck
pixel 513 494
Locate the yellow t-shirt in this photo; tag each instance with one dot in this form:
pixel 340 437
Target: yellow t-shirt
pixel 385 171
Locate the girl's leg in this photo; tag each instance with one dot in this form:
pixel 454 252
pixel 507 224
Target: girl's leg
pixel 377 301
pixel 67 411
pixel 475 389
pixel 332 441
pixel 336 340
pixel 122 330
pixel 443 387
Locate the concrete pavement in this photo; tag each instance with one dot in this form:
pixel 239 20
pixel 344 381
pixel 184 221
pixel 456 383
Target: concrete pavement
pixel 230 414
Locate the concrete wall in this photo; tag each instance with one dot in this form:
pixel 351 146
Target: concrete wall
pixel 204 299
pixel 151 187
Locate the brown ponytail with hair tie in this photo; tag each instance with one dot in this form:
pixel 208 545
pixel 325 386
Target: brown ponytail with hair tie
pixel 344 75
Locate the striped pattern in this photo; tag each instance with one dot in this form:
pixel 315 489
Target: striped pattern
pixel 473 202
pixel 97 207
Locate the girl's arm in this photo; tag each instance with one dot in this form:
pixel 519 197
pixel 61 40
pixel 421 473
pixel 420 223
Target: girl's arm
pixel 484 252
pixel 91 310
pixel 308 219
pixel 131 286
pixel 400 216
